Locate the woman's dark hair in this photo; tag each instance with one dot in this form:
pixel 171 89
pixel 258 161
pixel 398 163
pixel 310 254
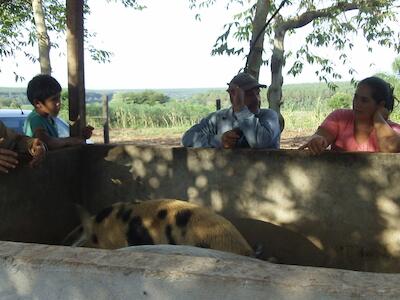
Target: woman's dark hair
pixel 42 87
pixel 381 91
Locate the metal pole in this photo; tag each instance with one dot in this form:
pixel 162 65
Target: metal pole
pixel 218 104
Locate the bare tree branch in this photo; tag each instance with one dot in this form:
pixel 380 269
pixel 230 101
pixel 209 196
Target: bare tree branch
pixel 309 16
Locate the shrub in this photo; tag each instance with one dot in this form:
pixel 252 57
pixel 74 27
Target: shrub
pixel 340 100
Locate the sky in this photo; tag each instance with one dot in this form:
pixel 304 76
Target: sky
pixel 163 46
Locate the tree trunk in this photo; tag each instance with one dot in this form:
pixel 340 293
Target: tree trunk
pixel 277 62
pixel 255 56
pixel 76 66
pixel 42 36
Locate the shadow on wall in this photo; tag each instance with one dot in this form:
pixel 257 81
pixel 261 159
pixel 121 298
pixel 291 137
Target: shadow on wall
pixel 346 204
pixel 36 203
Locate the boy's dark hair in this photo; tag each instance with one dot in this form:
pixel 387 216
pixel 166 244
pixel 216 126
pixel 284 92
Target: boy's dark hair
pixel 381 91
pixel 42 87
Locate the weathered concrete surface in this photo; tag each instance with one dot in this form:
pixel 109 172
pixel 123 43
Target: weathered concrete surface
pixel 54 272
pixel 36 204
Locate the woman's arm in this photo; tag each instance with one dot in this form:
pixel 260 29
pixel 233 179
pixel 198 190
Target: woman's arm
pixel 388 138
pixel 326 133
pixel 318 142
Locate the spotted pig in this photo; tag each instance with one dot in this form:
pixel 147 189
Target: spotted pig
pixel 162 221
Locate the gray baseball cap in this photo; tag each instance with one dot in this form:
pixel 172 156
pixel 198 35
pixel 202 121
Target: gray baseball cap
pixel 246 82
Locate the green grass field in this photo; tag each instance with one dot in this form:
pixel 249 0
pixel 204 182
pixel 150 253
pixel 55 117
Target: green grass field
pixel 304 106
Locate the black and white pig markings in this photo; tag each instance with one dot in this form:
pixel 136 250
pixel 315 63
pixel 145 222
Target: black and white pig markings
pixel 162 221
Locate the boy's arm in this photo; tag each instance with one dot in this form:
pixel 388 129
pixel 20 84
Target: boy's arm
pixel 35 128
pixel 203 134
pixel 57 143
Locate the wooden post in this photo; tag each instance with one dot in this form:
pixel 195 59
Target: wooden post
pixel 76 78
pixel 218 104
pixel 106 119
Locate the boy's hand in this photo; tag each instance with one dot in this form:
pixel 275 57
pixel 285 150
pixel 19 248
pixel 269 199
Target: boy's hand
pixel 38 152
pixel 87 132
pixel 8 159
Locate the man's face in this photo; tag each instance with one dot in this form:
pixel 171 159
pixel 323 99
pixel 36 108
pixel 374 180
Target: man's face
pixel 252 100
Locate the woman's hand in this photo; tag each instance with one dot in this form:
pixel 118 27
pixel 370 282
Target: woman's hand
pixel 317 144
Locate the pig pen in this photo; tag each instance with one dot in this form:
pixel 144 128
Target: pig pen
pixel 330 224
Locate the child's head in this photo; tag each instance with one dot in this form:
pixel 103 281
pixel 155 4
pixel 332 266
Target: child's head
pixel 44 94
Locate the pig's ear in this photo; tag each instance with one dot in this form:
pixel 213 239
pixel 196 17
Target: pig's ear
pixel 86 219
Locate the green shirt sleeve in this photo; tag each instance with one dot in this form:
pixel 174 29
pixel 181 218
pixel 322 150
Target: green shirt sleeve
pixel 35 121
pixel 32 123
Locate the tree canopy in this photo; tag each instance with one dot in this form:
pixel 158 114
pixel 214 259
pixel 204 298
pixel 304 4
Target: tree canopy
pixel 18 32
pixel 332 24
pixel 396 66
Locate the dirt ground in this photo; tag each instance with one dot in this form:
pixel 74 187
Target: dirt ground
pixel 290 139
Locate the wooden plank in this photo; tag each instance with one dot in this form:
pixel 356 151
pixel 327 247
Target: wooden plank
pixel 106 118
pixel 76 75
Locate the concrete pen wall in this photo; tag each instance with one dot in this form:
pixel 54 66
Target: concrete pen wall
pixel 335 210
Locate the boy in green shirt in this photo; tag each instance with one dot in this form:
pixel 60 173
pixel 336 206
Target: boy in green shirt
pixel 44 93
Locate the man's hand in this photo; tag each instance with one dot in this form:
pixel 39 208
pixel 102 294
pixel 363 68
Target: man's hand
pixel 87 132
pixel 38 152
pixel 230 138
pixel 8 159
pixel 316 144
pixel 237 97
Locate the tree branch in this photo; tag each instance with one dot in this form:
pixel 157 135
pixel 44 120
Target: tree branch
pixel 309 16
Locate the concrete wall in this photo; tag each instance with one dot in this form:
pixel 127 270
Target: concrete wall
pixel 346 204
pixel 36 205
pixel 54 272
pixel 337 210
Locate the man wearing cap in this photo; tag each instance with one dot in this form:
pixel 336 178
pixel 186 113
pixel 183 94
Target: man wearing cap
pixel 243 125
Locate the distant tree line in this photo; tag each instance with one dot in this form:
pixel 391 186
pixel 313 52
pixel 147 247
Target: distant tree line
pixel 147 97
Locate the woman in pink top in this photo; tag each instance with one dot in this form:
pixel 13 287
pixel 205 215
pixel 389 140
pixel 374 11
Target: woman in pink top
pixel 365 127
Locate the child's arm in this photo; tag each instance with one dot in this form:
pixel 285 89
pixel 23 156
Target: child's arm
pixel 57 143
